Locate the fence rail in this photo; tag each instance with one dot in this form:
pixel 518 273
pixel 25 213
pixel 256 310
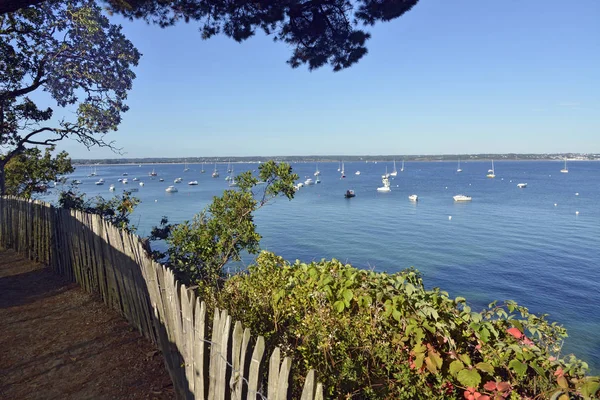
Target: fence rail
pixel 114 265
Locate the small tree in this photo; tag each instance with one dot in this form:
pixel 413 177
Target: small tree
pixel 199 249
pixel 70 51
pixel 30 172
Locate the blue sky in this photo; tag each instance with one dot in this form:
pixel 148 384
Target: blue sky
pixel 460 76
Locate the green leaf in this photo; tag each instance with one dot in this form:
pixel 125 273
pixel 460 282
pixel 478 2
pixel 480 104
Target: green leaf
pixel 410 289
pixel 419 360
pixel 519 367
pixel 517 324
pixel 397 315
pixel 540 371
pixel 460 300
pixel 339 306
pixel 436 359
pixel 428 327
pixel 455 367
pixel 562 382
pixel 277 296
pixel 475 317
pixel 469 377
pixel 486 367
pixel 465 358
pixel 590 387
pixel 419 348
pixel 365 301
pixel 347 294
pixel 484 334
pixel 430 364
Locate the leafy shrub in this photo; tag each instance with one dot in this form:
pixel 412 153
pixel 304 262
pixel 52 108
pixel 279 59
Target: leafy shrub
pixel 116 210
pixel 383 336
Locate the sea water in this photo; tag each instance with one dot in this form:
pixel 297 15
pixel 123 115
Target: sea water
pixel 539 245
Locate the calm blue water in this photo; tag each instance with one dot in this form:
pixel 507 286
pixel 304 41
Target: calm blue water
pixel 508 243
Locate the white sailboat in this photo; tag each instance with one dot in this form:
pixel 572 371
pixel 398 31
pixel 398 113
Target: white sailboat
pixel 458 169
pixel 394 172
pixel 317 172
pixel 185 167
pixel 342 171
pixel 215 173
pixel 565 170
pixel 340 166
pixel 230 177
pixel 386 175
pixel 385 187
pixel 202 170
pixel 229 169
pixel 491 172
pixel 402 168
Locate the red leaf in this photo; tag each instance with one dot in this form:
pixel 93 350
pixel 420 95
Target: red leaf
pixel 490 386
pixel 515 332
pixel 484 397
pixel 527 341
pixel 503 386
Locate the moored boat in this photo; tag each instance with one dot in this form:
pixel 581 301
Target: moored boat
pixel 386 185
pixel 462 197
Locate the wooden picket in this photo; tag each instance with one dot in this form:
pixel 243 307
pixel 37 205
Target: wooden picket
pixel 113 264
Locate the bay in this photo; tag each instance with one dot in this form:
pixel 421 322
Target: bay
pixel 529 245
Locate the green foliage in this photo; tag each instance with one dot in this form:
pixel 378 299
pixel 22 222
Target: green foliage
pixel 199 249
pixel 30 171
pixel 319 32
pixel 70 51
pixel 383 336
pixel 117 210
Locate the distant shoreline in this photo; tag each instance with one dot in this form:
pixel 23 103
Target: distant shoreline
pixel 367 159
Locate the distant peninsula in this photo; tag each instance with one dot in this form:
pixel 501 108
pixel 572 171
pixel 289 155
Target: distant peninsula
pixel 336 158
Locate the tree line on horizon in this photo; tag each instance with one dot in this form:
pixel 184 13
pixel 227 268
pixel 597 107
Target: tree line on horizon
pixel 336 158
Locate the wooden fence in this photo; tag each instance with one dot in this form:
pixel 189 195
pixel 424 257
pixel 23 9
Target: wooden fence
pixel 114 264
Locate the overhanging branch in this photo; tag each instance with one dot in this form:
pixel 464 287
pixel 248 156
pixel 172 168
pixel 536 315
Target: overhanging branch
pixel 7 6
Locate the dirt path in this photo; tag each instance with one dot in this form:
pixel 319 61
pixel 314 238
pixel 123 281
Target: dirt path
pixel 58 342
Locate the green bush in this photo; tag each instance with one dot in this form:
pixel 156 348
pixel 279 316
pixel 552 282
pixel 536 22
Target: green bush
pixel 383 336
